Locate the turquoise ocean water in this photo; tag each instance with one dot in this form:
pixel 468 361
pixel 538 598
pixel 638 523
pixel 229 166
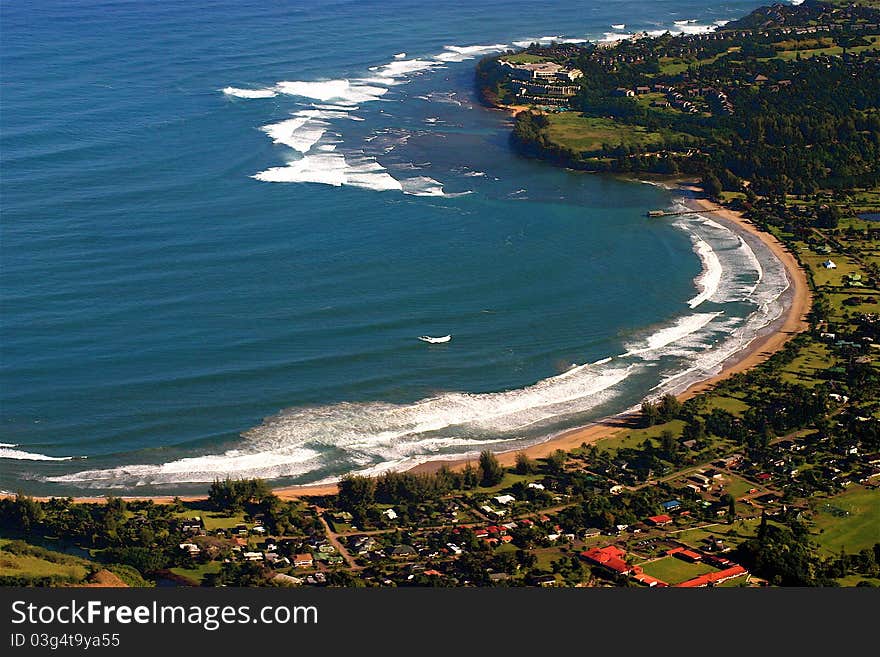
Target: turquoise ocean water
pixel 225 225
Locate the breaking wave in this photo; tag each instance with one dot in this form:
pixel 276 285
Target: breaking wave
pixel 249 93
pixel 7 452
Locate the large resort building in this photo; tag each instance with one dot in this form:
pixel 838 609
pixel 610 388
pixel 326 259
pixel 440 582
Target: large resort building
pixel 541 82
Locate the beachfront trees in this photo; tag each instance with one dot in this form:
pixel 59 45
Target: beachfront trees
pixel 650 414
pixel 491 472
pixel 712 185
pixel 524 465
pixel 356 492
pixel 231 495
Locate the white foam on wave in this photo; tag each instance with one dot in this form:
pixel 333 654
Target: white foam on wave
pixel 707 282
pixel 462 53
pixel 332 90
pixel 422 186
pixel 610 37
pixel 373 434
pixel 300 133
pixel 333 168
pixel 395 72
pixel 695 29
pixel 675 333
pixel 327 115
pixel 249 93
pixel 619 26
pixel 7 451
pixel 198 469
pixel 400 55
pixel 525 43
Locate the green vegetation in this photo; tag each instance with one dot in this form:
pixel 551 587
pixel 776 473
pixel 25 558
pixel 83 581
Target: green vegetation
pixel 674 571
pixel 28 565
pixel 591 136
pixel 849 521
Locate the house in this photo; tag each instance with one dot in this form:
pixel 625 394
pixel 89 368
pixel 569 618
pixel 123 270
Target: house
pixel 590 532
pixel 504 500
pixel 671 505
pixel 713 579
pixel 649 581
pixel 642 90
pixel 303 561
pixel 684 554
pixel 403 552
pixel 544 580
pixel 609 557
pixel 622 91
pixel 390 514
pixel 252 556
pixel 829 264
pixel 532 484
pixel 661 520
pixel 190 548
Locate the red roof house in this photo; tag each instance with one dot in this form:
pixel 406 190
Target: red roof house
pixel 609 557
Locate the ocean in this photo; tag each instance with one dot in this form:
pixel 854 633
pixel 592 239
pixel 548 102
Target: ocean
pixel 226 224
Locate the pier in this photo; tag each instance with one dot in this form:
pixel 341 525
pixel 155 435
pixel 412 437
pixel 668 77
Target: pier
pixel 669 213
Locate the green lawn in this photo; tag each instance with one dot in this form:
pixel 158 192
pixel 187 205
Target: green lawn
pixel 853 532
pixel 198 573
pixel 214 520
pixel 525 58
pixel 832 277
pixel 509 480
pixel 728 403
pixel 853 580
pixel 675 571
pixel 588 134
pixel 809 364
pixel 732 535
pixel 32 566
pixel 737 486
pixel 632 439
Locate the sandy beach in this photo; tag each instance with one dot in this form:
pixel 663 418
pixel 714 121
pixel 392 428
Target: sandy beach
pixel 797 303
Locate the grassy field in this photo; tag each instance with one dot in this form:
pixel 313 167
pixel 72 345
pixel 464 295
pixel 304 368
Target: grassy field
pixel 858 529
pixel 732 535
pixel 737 486
pixel 808 365
pixel 32 566
pixel 525 58
pixel 728 403
pixel 833 277
pixel 675 571
pixel 214 520
pixel 588 134
pixel 632 439
pixel 198 573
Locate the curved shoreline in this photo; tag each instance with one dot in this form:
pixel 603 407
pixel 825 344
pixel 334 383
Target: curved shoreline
pixel 796 301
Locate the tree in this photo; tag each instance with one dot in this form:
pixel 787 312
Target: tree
pixel 524 465
pixel 650 413
pixel 491 472
pixel 712 185
pixel 669 407
pixel 356 492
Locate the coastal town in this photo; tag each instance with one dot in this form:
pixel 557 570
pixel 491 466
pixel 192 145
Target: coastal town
pixel 768 475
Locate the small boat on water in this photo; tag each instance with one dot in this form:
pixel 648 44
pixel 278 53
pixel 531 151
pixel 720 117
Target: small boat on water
pixel 429 339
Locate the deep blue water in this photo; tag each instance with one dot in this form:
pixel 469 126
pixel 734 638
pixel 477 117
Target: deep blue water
pixel 159 301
